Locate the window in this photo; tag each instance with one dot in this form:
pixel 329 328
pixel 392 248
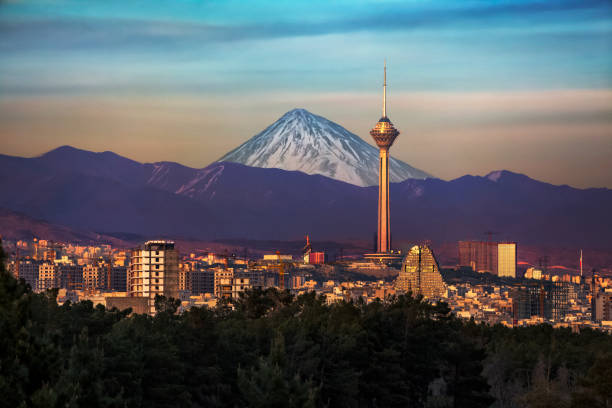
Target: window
pixel 157 288
pixel 156 266
pixel 156 252
pixel 156 259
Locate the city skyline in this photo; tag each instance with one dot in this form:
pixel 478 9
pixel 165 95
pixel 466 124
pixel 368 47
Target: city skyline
pixel 189 193
pixel 519 86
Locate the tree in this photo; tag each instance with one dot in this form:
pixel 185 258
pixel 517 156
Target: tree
pixel 270 384
pixel 595 390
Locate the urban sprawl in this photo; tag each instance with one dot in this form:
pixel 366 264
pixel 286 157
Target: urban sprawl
pixel 484 286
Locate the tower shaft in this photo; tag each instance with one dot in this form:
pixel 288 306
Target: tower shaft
pixel 384 233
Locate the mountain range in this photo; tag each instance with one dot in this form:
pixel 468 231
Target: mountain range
pixel 110 194
pixel 17 226
pixel 309 143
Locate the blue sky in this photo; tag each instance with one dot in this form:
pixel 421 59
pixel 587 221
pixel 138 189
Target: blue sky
pixel 474 86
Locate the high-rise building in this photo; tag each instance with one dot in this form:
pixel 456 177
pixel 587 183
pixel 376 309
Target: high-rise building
pixel 481 256
pixel 26 269
pixel 601 309
pixel 184 280
pixel 559 298
pixel 153 271
pixel 317 258
pixel 118 279
pixel 506 259
pixel 384 134
pixel 202 281
pixel 92 277
pixel 420 274
pixel 71 276
pixel 240 285
pixel 223 283
pixel 246 280
pixel 548 300
pixel 47 276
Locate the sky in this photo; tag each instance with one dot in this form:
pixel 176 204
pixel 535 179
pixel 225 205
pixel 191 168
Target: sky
pixel 473 86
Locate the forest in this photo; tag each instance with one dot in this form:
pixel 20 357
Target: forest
pixel 273 349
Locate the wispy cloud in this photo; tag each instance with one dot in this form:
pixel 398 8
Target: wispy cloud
pixel 61 32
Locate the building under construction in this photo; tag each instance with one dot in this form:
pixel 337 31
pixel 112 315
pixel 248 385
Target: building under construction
pixel 153 271
pixel 548 300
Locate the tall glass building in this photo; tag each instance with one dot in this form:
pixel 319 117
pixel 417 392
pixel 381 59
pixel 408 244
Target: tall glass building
pixel 506 259
pixel 420 274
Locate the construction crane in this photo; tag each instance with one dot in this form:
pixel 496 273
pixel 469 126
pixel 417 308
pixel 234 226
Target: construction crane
pixel 543 262
pixel 281 277
pixel 489 235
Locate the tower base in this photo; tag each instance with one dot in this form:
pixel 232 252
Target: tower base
pixel 386 258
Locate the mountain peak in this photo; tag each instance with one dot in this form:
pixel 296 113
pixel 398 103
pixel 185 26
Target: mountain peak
pixel 63 150
pixel 298 112
pixel 506 175
pixel 495 175
pixel 70 152
pixel 302 141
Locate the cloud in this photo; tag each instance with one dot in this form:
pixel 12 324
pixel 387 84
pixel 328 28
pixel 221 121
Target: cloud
pixel 39 32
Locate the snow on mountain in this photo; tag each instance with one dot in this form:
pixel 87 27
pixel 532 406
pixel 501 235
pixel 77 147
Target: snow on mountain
pixel 494 175
pixel 305 142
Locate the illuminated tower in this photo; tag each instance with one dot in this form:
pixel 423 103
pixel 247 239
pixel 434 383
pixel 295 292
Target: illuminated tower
pixel 384 135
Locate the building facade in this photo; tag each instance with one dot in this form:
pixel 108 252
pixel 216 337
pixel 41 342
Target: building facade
pixel 548 300
pixel 71 276
pixel 202 281
pixel 224 279
pixel 479 255
pixel 317 258
pixel 602 307
pixel 47 276
pixel 92 277
pixel 420 274
pixel 153 271
pixel 506 259
pixel 118 279
pixel 26 269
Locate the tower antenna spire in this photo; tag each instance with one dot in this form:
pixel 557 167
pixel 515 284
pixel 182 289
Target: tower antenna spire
pixel 384 112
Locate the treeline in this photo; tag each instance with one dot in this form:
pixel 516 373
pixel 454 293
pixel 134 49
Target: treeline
pixel 277 350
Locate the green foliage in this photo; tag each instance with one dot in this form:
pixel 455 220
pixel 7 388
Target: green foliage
pixel 273 349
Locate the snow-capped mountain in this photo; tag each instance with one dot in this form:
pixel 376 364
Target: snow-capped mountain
pixel 305 142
